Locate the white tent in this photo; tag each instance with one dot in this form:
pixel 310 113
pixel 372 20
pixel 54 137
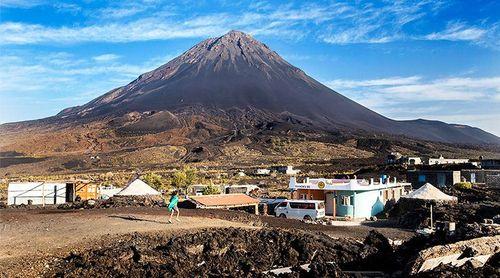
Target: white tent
pixel 430 192
pixel 137 188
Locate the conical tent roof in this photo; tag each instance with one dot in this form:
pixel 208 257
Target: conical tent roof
pixel 430 192
pixel 137 188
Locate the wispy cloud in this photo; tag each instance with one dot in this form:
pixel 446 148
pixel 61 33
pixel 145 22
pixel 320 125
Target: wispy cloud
pixel 457 31
pixel 469 100
pixel 106 57
pixel 415 89
pixel 20 3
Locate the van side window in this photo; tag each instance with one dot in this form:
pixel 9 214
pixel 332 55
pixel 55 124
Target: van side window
pixel 297 205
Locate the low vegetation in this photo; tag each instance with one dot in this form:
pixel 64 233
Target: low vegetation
pixel 463 185
pixel 211 190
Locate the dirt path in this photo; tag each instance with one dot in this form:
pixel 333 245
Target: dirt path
pixel 29 238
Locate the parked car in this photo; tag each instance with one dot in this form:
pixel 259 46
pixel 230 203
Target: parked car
pixel 301 209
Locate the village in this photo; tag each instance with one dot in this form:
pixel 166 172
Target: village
pixel 452 203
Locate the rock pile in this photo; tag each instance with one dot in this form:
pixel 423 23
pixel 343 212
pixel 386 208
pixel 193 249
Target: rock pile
pixel 223 252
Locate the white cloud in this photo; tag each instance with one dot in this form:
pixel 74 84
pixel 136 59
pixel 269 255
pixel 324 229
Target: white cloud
pixel 466 100
pixel 106 57
pixel 415 89
pixel 20 3
pixel 458 31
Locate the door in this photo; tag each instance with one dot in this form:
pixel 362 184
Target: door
pixel 70 192
pixel 329 203
pixel 441 179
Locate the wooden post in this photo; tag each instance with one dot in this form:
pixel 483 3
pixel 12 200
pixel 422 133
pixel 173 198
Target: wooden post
pixel 431 216
pixel 43 194
pixel 334 204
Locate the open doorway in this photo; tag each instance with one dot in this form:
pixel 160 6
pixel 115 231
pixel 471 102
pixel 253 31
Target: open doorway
pixel 70 192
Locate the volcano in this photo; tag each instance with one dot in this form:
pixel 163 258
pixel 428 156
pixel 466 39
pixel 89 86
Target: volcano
pixel 237 72
pixel 222 90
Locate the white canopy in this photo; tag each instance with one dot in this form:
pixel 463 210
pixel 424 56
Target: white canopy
pixel 429 192
pixel 137 188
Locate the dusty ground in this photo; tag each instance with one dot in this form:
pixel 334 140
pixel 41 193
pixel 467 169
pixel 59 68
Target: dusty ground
pixel 31 238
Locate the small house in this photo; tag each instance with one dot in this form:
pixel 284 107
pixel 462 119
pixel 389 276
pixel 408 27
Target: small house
pixel 106 192
pixel 197 189
pixel 245 189
pixel 287 170
pixel 490 164
pixel 40 193
pixel 353 198
pixel 441 160
pixel 262 172
pixel 86 190
pixel 439 177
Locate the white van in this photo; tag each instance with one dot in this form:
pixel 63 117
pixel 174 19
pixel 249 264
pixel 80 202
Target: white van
pixel 301 209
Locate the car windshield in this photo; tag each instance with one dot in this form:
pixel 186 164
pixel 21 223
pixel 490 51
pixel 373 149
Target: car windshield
pixel 282 205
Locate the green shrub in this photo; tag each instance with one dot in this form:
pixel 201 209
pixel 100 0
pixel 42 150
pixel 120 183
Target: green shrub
pixel 463 185
pixel 211 189
pixel 155 181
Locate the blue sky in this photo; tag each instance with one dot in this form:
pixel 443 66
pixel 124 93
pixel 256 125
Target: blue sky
pixel 405 59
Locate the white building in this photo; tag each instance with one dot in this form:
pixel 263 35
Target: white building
pixel 353 198
pixel 106 192
pixel 442 160
pixel 39 193
pixel 245 188
pixel 414 160
pixel 263 172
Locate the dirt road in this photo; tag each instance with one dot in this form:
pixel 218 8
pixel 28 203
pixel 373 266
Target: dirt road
pixel 29 238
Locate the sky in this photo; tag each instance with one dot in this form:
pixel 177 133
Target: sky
pixel 427 59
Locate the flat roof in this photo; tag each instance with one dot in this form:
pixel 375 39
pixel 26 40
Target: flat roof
pixel 224 200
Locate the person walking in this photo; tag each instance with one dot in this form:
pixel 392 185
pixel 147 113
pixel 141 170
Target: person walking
pixel 172 206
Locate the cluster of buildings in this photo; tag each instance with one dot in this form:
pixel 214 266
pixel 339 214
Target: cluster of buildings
pixel 287 170
pixel 347 198
pixel 397 158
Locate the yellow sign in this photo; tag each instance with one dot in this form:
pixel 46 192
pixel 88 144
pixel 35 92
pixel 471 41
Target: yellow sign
pixel 321 185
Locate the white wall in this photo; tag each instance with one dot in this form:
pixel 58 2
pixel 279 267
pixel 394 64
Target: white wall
pixel 20 192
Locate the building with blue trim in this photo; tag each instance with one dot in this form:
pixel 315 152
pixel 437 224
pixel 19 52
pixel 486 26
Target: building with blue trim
pixel 352 198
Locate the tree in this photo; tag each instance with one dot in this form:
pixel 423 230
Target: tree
pixel 211 189
pixel 154 180
pixel 185 177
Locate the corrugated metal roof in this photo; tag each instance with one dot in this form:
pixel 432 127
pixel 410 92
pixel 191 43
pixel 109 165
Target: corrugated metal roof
pixel 224 200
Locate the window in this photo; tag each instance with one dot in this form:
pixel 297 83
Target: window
pixel 282 205
pixel 421 178
pixel 321 205
pixel 346 200
pixel 297 205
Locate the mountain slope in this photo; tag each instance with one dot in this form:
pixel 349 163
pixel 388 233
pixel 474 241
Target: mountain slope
pixel 235 82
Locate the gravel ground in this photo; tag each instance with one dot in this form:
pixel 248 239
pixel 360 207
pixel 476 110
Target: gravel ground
pixel 31 238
